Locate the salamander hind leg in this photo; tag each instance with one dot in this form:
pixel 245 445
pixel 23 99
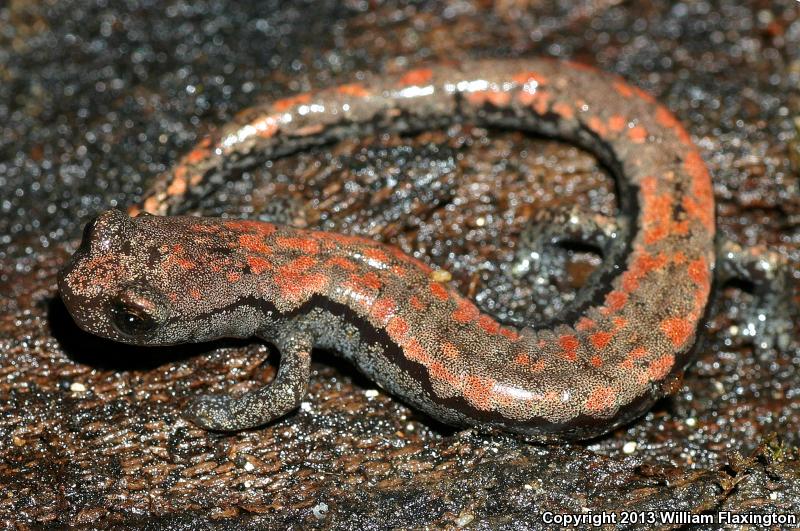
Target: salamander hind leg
pixel 561 227
pixel 770 319
pixel 256 408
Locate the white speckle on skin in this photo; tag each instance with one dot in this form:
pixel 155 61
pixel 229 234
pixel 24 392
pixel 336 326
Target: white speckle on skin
pixel 629 447
pixel 77 387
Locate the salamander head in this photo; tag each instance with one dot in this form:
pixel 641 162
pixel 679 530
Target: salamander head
pixel 143 280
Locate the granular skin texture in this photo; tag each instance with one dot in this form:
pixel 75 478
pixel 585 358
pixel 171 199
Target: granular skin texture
pixel 162 279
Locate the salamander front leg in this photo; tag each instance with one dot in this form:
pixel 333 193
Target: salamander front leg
pixel 770 318
pixel 256 408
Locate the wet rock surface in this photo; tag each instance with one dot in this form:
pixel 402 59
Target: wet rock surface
pixel 98 97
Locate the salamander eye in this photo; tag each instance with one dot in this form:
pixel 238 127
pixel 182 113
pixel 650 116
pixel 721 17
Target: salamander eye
pixel 134 313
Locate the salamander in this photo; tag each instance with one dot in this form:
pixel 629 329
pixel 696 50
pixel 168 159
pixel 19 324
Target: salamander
pixel 151 277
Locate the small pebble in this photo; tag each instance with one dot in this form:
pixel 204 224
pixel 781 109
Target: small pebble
pixel 320 510
pixel 464 520
pixel 440 275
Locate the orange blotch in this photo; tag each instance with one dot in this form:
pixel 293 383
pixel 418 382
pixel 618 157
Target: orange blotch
pixel 383 309
pixel 305 245
pixel 494 97
pixel 597 125
pixel 397 329
pixel 416 303
pixel 341 262
pixel 617 123
pixel 298 265
pixel 152 205
pixel 643 264
pixel 353 89
pixel 369 280
pixel 403 257
pixel 488 324
pixel 295 286
pixel 637 134
pixel 521 359
pixel 180 183
pixel 698 271
pixel 287 103
pixel 569 344
pixel 529 77
pixel 508 333
pixel 538 100
pixel 616 300
pixel 450 351
pixel 376 254
pixel 584 324
pixel 206 229
pixel 596 361
pixel 438 291
pixel 466 312
pixel 258 264
pixel 601 399
pixel 233 276
pixel 478 391
pixel 623 89
pixel 398 270
pixel 564 110
pixel 415 352
pixel 633 355
pixel 677 329
pixel 600 339
pixel 244 225
pixel 642 95
pixel 196 155
pixel 195 294
pixel 581 66
pixel 660 367
pixel 417 77
pixel 656 211
pixel 176 258
pixel 254 243
pixel 438 371
pixel 266 126
pixel 666 118
pixel 700 204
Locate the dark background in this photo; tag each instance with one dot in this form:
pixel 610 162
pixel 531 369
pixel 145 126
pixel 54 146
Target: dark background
pixel 98 97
